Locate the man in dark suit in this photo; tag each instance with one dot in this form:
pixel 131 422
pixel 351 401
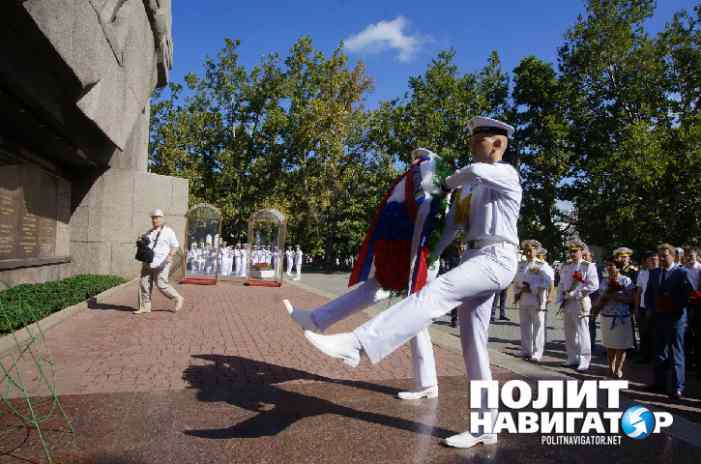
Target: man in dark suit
pixel 667 296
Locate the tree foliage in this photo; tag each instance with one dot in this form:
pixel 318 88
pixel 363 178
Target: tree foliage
pixel 614 129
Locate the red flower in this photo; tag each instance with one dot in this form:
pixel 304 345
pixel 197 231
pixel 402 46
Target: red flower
pixel 695 297
pixel 615 286
pixel 578 277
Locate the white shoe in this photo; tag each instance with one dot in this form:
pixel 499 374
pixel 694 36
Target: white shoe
pixel 344 346
pixel 582 368
pixel 430 392
pixel 179 300
pixel 468 440
pixel 301 317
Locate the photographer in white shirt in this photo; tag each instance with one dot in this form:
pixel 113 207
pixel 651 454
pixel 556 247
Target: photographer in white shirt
pixel 164 243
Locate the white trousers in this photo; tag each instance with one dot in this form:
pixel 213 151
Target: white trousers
pixel 298 264
pixel 577 341
pixel 244 263
pixel 365 295
pixel 471 287
pixel 532 330
pixel 290 263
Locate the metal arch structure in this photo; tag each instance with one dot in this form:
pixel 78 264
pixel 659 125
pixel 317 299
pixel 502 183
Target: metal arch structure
pixel 267 231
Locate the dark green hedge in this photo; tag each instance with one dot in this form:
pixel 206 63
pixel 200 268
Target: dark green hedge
pixel 27 303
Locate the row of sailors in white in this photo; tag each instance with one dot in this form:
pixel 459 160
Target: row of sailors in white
pixel 201 259
pixel 263 255
pixel 534 281
pixel 232 261
pixel 294 259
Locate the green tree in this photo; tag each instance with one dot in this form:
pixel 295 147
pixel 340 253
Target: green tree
pixel 435 110
pixel 284 134
pixel 543 152
pixel 617 107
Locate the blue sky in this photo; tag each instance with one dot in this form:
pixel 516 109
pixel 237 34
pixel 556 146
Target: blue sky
pixel 395 39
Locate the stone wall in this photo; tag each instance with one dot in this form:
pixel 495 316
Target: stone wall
pixel 116 211
pixel 75 84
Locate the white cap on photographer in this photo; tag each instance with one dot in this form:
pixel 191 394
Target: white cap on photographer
pixel 156 213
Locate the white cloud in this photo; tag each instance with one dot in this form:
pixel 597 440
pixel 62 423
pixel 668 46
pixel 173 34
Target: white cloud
pixel 386 35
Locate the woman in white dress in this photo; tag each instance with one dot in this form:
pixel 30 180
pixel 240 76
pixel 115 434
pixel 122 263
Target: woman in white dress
pixel 616 324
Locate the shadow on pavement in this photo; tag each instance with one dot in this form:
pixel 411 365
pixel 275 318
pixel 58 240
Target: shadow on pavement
pixel 93 304
pixel 277 407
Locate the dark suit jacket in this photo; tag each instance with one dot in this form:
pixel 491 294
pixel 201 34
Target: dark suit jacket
pixel 676 287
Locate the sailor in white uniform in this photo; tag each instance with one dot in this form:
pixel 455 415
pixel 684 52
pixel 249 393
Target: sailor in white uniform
pixel 531 286
pixel 298 262
pixel 191 254
pixel 222 261
pixel 290 255
pixel 244 260
pixel 237 260
pixel 487 209
pixel 578 280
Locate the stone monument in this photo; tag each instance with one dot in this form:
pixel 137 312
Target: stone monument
pixel 75 82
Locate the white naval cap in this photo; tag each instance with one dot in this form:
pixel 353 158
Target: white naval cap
pixel 482 124
pixel 419 152
pixel 622 251
pixel 156 212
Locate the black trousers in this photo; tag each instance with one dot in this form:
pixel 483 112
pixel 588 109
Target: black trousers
pixel 501 297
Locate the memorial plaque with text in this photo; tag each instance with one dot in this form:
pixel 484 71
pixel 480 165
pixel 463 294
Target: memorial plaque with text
pixel 10 194
pixel 28 212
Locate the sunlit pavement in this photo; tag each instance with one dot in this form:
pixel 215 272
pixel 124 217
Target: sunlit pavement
pixel 231 379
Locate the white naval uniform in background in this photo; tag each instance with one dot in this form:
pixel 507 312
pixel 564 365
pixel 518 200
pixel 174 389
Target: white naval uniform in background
pixel 577 308
pixel 488 268
pixel 290 255
pixel 237 262
pixel 222 261
pixel 298 263
pixel 532 306
pixel 244 261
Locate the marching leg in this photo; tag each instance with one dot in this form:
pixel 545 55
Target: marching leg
pixel 474 314
pixel 424 368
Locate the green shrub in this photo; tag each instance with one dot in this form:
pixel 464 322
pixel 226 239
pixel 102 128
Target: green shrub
pixel 27 303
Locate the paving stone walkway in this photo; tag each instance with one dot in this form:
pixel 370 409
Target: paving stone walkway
pixel 108 349
pixel 230 379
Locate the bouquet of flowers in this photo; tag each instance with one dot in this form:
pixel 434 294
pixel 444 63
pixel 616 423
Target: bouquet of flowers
pixel 262 266
pixel 577 281
pixel 695 299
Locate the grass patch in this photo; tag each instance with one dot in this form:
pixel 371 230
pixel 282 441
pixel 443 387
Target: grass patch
pixel 28 303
